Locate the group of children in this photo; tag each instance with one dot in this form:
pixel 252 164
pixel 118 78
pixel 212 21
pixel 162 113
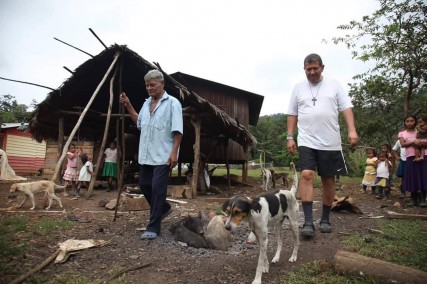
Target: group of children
pixel 78 179
pixel 410 150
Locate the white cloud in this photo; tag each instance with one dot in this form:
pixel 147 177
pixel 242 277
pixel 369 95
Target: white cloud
pixel 257 46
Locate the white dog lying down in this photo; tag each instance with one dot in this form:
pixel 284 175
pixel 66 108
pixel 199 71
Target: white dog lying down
pixel 30 188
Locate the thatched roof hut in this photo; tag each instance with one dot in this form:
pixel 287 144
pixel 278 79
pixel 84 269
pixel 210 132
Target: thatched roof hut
pixel 73 95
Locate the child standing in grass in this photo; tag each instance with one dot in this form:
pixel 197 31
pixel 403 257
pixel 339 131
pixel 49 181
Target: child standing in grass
pixel 370 171
pixel 384 167
pixel 86 172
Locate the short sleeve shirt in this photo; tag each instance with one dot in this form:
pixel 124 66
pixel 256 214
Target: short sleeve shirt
pixel 110 155
pixel 156 139
pixel 318 126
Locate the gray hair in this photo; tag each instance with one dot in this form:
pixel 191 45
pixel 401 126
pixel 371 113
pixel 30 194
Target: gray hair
pixel 154 74
pixel 313 58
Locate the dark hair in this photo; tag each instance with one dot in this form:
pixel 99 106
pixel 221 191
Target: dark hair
pixel 72 145
pixel 424 118
pixel 408 116
pixel 312 58
pixel 371 150
pixel 387 146
pixel 381 154
pixel 84 158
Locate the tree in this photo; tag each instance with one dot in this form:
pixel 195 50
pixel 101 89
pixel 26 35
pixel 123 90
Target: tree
pixel 394 38
pixel 11 111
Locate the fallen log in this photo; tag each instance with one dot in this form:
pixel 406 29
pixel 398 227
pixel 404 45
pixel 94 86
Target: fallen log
pixel 395 215
pixel 353 264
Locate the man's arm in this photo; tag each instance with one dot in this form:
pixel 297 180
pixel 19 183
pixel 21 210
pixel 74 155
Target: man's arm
pixel 291 126
pixel 173 158
pixel 349 119
pixel 126 102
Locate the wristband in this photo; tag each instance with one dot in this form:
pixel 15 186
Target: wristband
pixel 290 137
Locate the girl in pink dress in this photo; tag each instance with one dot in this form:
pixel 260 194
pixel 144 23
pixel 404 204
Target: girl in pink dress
pixel 415 177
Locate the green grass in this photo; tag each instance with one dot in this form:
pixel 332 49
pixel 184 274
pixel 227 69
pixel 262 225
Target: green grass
pixel 319 271
pixel 403 242
pixel 47 226
pixel 15 233
pixel 9 227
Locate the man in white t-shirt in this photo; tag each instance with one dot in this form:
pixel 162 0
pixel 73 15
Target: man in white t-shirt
pixel 314 108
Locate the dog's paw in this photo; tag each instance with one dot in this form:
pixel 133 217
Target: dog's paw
pixel 293 259
pixel 32 208
pixel 275 259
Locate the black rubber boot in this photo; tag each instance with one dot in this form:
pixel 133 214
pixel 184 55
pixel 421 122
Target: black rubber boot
pixel 423 202
pixel 373 190
pixel 380 194
pixel 414 199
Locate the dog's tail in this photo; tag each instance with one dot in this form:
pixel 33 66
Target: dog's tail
pixel 295 179
pixel 59 186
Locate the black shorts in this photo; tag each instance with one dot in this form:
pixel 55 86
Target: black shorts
pixel 327 163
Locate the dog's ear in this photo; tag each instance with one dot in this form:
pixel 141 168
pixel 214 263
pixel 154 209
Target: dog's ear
pixel 256 206
pixel 225 205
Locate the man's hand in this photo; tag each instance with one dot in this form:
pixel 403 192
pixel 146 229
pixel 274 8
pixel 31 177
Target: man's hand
pixel 353 138
pixel 173 160
pixel 292 146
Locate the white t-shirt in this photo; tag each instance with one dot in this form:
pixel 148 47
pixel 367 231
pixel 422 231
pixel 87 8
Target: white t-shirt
pixel 382 169
pixel 318 126
pixel 110 155
pixel 398 147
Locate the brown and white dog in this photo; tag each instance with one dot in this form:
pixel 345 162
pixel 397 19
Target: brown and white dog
pixel 263 212
pixel 30 188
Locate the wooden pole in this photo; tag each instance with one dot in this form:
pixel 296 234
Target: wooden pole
pixel 348 263
pixel 73 47
pixel 104 138
pixel 245 165
pixel 121 138
pixel 98 38
pixel 60 142
pixel 196 122
pixel 27 83
pixel 76 127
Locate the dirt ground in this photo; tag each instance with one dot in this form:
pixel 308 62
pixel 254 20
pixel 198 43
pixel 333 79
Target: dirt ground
pixel 170 262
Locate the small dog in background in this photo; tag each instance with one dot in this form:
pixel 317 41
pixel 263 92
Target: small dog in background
pixel 267 178
pixel 262 212
pixel 31 188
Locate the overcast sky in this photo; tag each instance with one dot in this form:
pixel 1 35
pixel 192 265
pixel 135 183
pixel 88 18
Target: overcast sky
pixel 257 46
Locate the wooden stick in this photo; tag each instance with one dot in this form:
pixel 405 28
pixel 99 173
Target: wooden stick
pixel 98 38
pixel 121 138
pixel 36 269
pixel 70 138
pixel 139 266
pixel 65 67
pixel 104 138
pixel 74 47
pixel 395 215
pixel 27 83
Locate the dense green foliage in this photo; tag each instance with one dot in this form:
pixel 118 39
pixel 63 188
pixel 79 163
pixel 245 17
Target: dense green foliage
pixel 393 41
pixel 12 111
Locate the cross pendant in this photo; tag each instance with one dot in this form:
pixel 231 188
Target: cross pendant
pixel 314 101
